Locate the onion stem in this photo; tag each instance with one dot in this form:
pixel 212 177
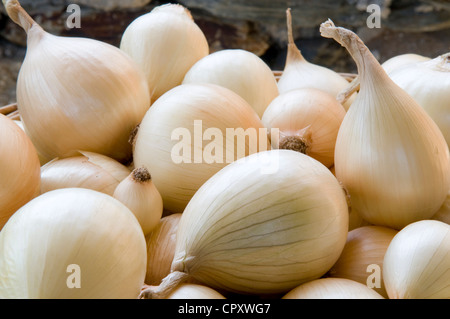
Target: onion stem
pixel 294 143
pixel 141 175
pixel 18 14
pixel 167 285
pixel 294 54
pixel 366 63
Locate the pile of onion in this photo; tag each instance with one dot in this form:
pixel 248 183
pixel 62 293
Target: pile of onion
pixel 185 138
pixel 231 183
pixel 262 225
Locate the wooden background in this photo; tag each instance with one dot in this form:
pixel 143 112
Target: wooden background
pixel 407 26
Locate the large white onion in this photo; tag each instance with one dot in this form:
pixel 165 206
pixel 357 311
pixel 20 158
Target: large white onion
pixel 262 225
pixel 68 237
pixel 390 155
pixel 77 93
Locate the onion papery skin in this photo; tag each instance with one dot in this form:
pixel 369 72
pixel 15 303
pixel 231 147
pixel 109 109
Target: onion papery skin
pixel 89 170
pixel 161 248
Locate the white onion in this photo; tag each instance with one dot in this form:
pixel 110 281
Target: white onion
pixel 165 43
pixel 241 71
pixel 417 262
pixel 72 243
pixel 262 225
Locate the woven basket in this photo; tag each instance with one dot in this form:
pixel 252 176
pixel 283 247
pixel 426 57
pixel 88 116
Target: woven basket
pixel 12 112
pixel 348 76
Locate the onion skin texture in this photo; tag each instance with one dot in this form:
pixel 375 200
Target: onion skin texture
pixel 263 225
pixel 161 249
pixel 417 262
pixel 332 288
pixel 83 171
pixel 72 226
pixel 20 179
pixel 365 246
pixel 157 137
